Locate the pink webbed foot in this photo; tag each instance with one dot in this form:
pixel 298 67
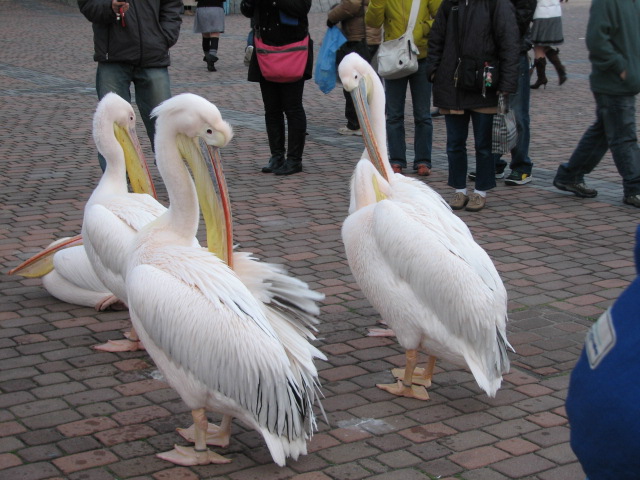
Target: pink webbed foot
pixel 399 389
pixel 119 346
pixel 112 302
pixel 189 456
pixel 215 435
pixel 418 377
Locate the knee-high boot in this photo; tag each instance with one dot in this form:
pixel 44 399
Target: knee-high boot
pixel 275 132
pixel 554 57
pixel 540 64
pixel 293 163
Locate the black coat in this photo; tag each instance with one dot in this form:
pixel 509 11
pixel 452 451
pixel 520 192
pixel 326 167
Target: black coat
pixel 151 28
pixel 487 28
pixel 269 27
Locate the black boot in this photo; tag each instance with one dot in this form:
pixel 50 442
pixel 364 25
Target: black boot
pixel 275 132
pixel 554 58
pixel 275 162
pixel 540 64
pixel 293 164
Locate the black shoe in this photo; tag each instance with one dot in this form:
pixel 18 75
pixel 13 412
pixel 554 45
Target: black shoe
pixel 578 189
pixel 632 200
pixel 289 167
pixel 211 60
pixel 499 173
pixel 275 162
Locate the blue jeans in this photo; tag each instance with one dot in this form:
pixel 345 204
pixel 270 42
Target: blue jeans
pixel 152 87
pixel 519 103
pixel 396 93
pixel 614 129
pixel 457 133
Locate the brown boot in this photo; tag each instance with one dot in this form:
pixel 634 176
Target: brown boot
pixel 540 64
pixel 554 58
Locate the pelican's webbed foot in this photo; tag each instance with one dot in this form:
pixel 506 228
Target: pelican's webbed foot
pixel 413 391
pixel 189 456
pixel 119 346
pixel 215 435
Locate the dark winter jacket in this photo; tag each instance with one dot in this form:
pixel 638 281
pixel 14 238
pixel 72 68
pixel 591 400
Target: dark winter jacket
pixel 151 28
pixel 272 19
pixel 486 29
pixel 524 17
pixel 613 40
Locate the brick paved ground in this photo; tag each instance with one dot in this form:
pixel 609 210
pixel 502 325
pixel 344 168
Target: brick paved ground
pixel 70 412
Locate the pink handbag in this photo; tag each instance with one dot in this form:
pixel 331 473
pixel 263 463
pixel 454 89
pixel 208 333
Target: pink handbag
pixel 284 63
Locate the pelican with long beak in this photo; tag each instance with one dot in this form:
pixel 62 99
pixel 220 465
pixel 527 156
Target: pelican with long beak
pixel 113 215
pixel 231 335
pixel 64 267
pixel 417 262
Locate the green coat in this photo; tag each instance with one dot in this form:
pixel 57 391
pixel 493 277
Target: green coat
pixel 393 15
pixel 613 40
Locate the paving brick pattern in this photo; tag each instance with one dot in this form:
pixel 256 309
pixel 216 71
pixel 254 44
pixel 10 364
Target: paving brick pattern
pixel 69 412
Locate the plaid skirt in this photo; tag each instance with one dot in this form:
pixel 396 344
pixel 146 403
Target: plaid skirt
pixel 209 20
pixel 547 31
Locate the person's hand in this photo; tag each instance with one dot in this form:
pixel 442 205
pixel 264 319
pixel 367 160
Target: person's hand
pixel 623 75
pixel 116 6
pixel 329 23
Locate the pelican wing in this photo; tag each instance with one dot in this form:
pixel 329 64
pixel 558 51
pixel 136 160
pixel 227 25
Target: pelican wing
pixel 199 313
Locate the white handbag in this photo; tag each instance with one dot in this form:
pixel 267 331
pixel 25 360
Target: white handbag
pixel 398 58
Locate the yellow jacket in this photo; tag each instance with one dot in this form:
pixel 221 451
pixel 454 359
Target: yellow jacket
pixel 393 15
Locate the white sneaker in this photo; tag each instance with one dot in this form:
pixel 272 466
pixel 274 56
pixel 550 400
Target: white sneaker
pixel 348 131
pixel 247 55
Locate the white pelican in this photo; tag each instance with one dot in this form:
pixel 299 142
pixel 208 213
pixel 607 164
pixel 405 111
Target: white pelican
pixel 66 272
pixel 232 341
pixel 417 262
pixel 113 215
pixel 68 275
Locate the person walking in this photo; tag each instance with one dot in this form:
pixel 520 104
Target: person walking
pixel 131 43
pixel 489 44
pixel 613 41
pixel 394 15
pixel 209 21
pixel 361 39
pixel 280 23
pixel 546 33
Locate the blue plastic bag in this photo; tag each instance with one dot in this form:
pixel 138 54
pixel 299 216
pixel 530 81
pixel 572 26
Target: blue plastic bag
pixel 325 74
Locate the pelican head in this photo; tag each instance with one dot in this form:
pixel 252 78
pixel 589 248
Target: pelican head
pixel 362 82
pixel 114 132
pixel 195 128
pixel 194 117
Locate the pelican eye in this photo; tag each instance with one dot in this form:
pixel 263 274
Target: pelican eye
pixel 209 131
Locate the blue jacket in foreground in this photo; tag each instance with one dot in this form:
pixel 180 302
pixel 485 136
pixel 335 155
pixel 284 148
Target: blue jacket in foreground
pixel 603 404
pixel 613 40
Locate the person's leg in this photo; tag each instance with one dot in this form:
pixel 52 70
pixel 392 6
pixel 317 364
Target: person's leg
pixel 519 103
pixel 619 118
pixel 588 153
pixel 485 163
pixel 396 93
pixel 457 134
pixel 421 101
pixel 152 87
pixel 350 113
pixel 274 123
pixel 291 94
pixel 116 78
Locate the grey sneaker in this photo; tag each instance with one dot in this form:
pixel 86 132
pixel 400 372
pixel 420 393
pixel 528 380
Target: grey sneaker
pixel 499 172
pixel 458 201
pixel 578 189
pixel 632 200
pixel 348 131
